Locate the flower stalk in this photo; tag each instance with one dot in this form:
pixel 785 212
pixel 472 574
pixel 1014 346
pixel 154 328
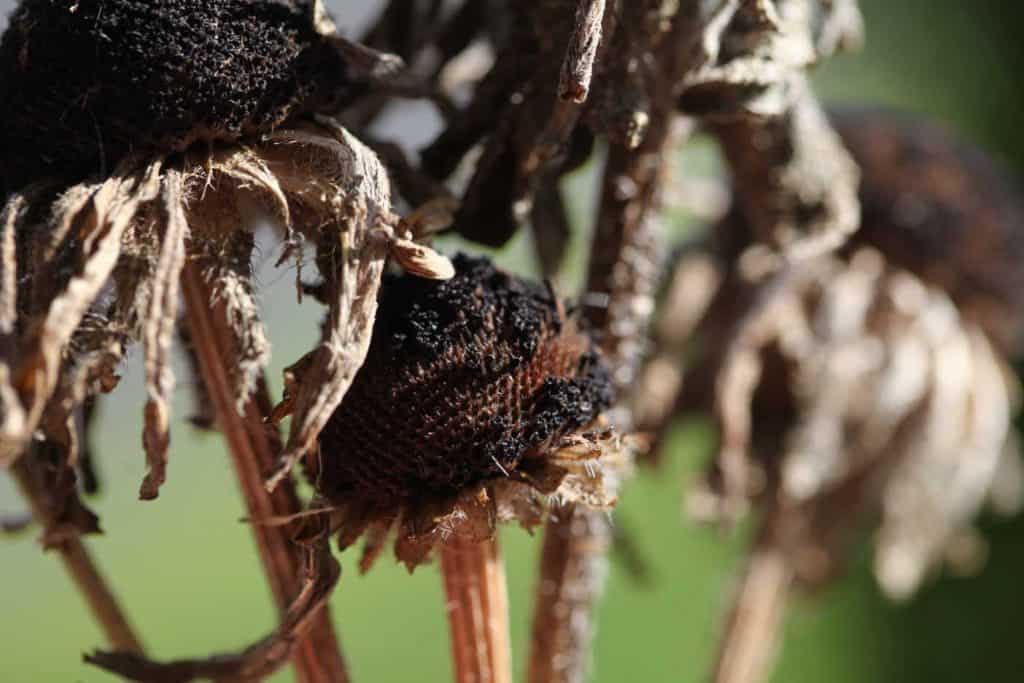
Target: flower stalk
pixel 751 637
pixel 78 562
pixel 477 607
pixel 623 265
pixel 253 446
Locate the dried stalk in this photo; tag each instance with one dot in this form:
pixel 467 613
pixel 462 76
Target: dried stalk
pixel 751 635
pixel 573 567
pixel 477 607
pixel 254 446
pixel 80 566
pixel 623 265
pixel 578 67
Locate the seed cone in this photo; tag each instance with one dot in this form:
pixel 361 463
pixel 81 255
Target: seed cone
pixel 85 82
pixel 468 382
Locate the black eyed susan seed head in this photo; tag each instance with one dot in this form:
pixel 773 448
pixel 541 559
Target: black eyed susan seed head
pixel 464 379
pixel 944 210
pixel 471 381
pixel 85 82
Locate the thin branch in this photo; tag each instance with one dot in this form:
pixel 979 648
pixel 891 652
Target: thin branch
pixel 254 446
pixel 79 565
pixel 477 606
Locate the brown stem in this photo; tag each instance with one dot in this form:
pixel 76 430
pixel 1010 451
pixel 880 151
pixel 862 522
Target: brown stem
pixel 623 265
pixel 747 647
pixel 254 447
pixel 477 606
pixel 79 564
pixel 573 566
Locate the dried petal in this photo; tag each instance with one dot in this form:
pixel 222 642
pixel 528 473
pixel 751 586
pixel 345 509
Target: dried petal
pixel 113 208
pixel 160 319
pixel 351 188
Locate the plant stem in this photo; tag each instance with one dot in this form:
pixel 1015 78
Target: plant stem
pixel 624 265
pixel 477 607
pixel 254 447
pixel 748 645
pixel 573 567
pixel 80 566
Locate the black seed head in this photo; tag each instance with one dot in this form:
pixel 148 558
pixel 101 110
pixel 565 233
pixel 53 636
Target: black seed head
pixel 84 82
pixel 463 379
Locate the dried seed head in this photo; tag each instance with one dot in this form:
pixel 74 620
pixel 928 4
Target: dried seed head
pixel 85 82
pixel 463 381
pixel 937 207
pixel 943 210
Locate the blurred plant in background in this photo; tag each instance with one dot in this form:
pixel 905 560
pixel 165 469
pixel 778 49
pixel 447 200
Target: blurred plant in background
pixel 949 60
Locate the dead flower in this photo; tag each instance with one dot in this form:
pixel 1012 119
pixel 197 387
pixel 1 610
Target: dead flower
pixel 478 400
pixel 867 387
pixel 128 150
pixel 875 382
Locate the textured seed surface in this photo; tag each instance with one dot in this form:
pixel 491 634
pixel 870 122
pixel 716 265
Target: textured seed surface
pixel 462 380
pixel 83 82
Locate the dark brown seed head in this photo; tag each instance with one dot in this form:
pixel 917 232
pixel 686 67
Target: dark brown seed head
pixel 937 207
pixel 464 379
pixel 84 82
pixel 943 210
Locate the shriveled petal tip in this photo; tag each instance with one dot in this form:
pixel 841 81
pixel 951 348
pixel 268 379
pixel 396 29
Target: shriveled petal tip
pixel 421 260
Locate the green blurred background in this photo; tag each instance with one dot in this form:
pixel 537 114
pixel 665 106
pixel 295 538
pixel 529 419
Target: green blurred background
pixel 189 574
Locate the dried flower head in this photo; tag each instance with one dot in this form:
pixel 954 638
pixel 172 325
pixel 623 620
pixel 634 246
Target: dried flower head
pixel 85 82
pixel 193 114
pixel 874 383
pixel 477 398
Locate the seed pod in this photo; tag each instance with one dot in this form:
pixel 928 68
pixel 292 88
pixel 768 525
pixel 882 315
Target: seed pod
pixel 84 82
pixel 474 399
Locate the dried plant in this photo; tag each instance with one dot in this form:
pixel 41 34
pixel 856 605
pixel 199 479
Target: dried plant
pixel 93 263
pixel 868 385
pixel 479 403
pixel 142 141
